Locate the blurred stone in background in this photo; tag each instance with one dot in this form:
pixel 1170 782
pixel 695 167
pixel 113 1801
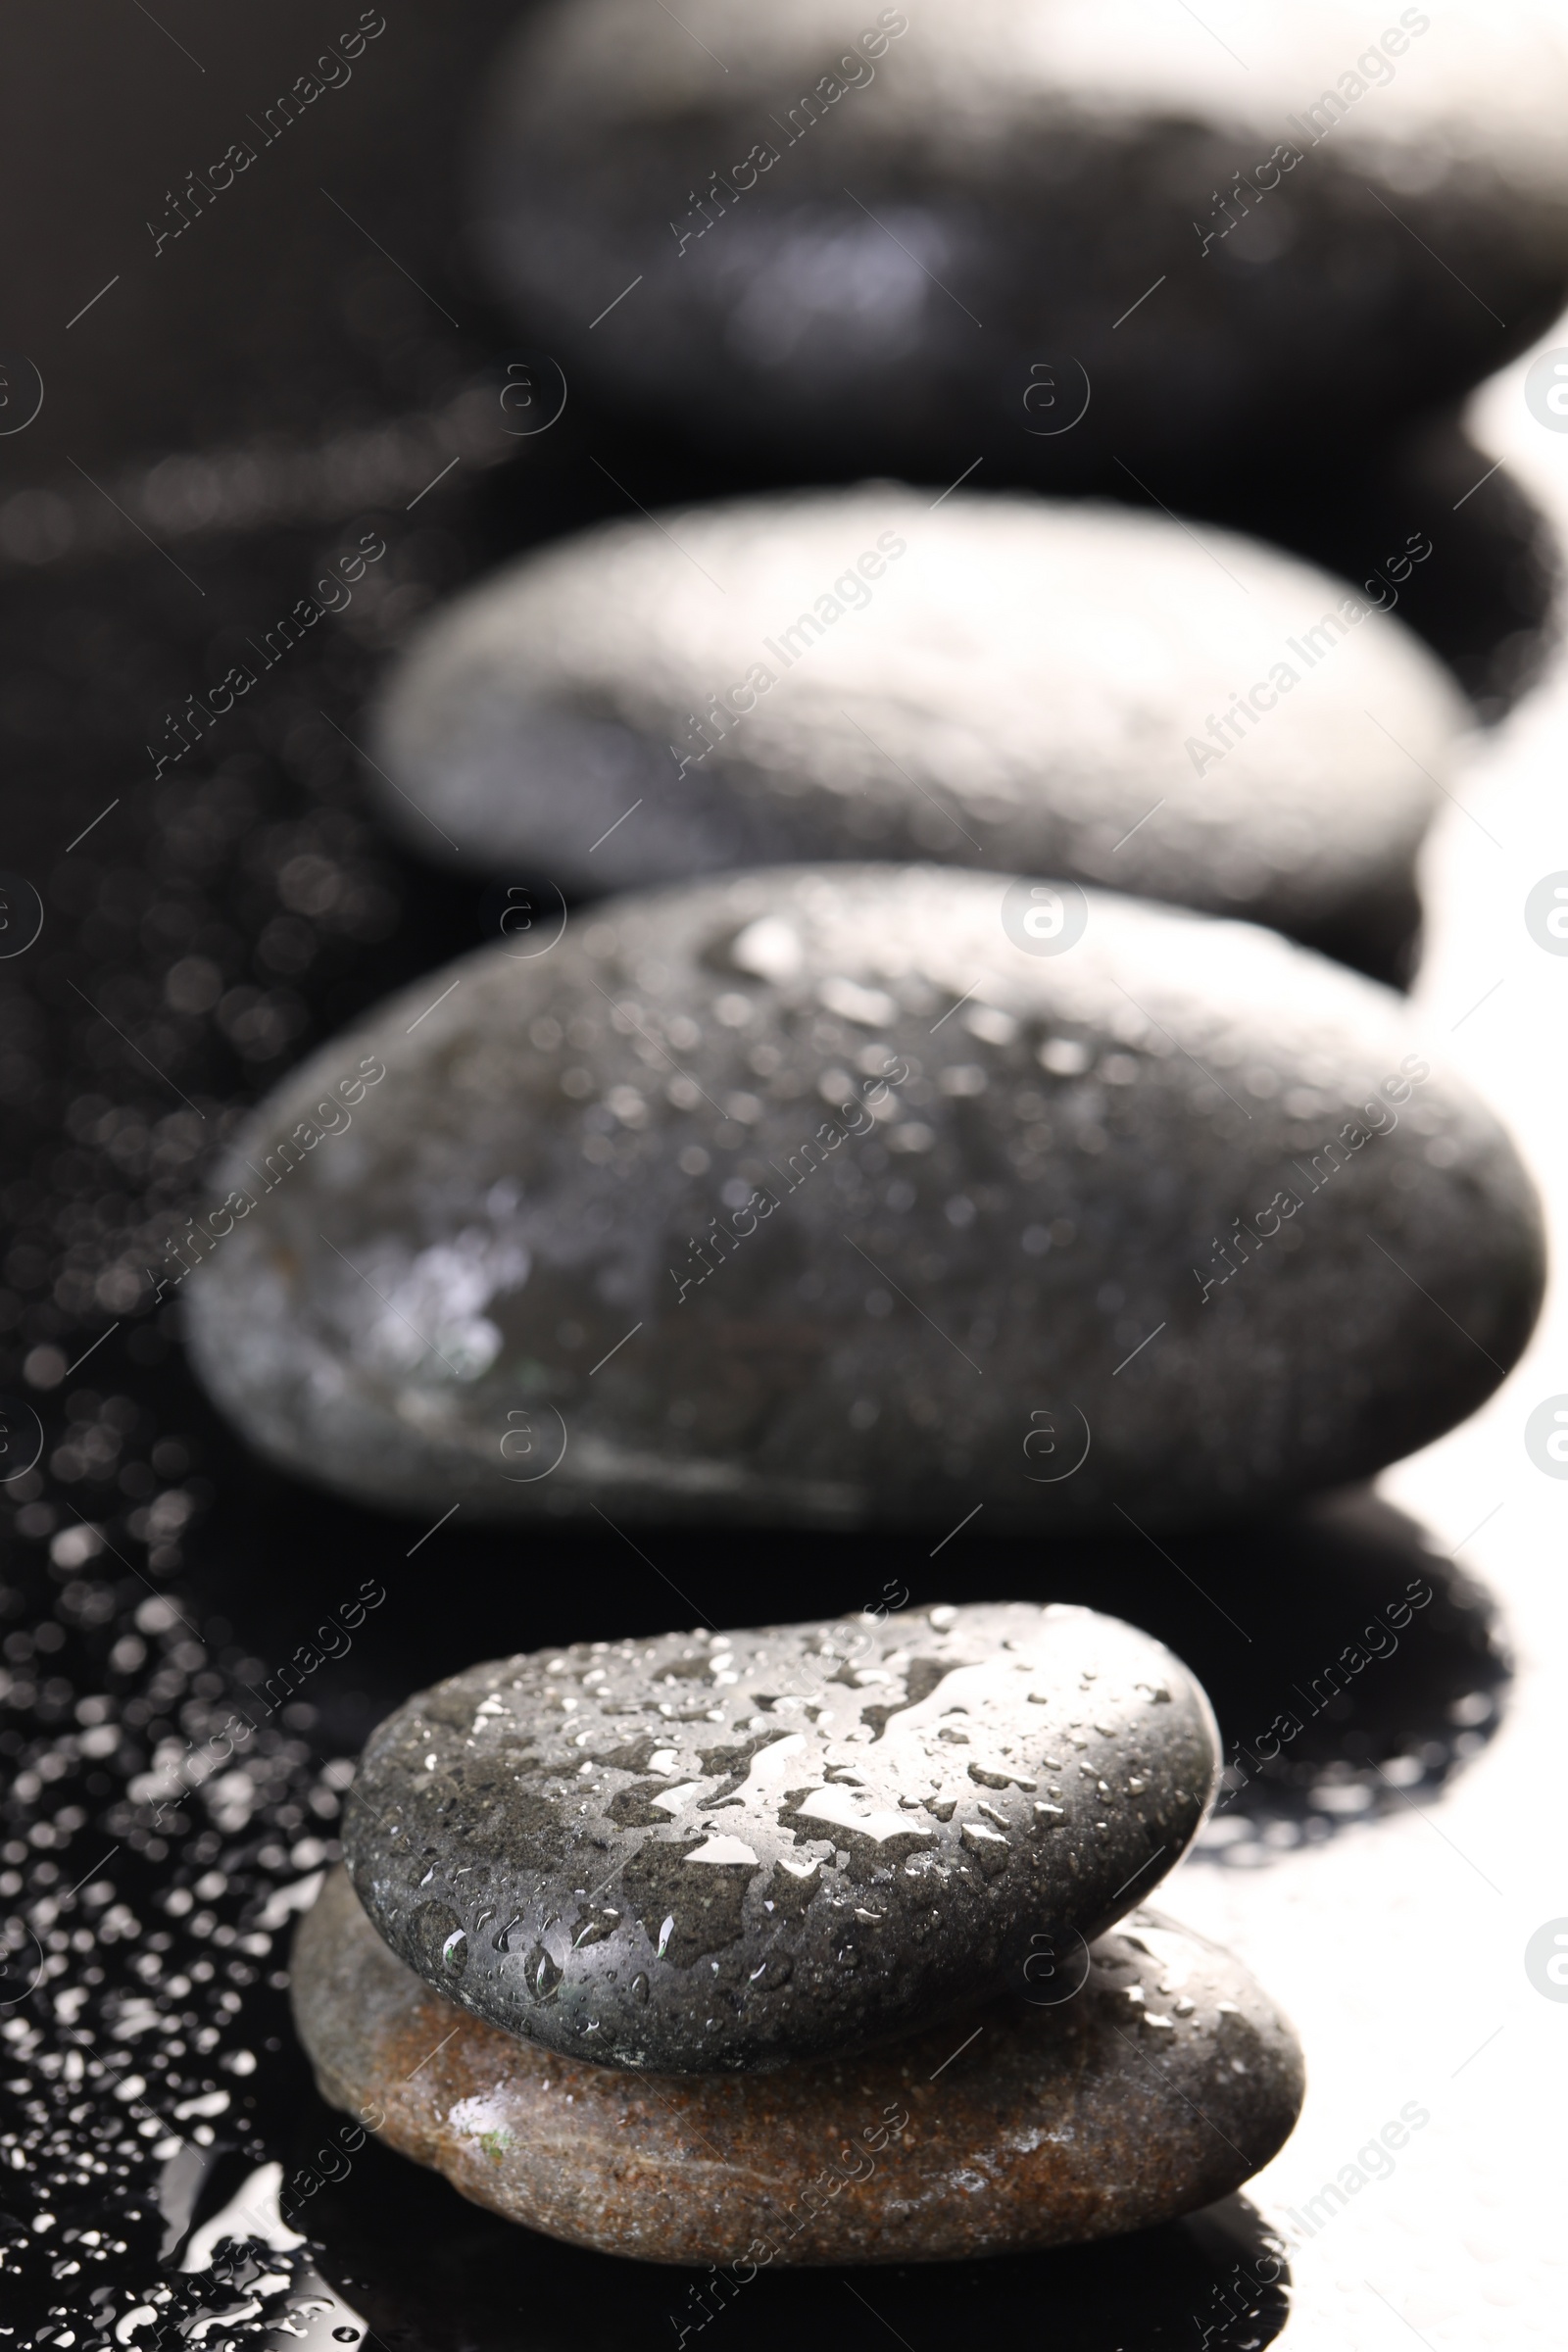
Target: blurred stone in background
pixel 1034 686
pixel 1081 238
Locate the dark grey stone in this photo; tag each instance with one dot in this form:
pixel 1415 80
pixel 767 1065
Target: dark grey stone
pixel 1002 209
pixel 814 1196
pixel 1003 682
pixel 710 1851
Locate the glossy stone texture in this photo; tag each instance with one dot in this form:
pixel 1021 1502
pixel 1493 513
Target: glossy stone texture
pixel 1160 2082
pixel 715 1851
pixel 1005 682
pixel 818 1198
pixel 1048 233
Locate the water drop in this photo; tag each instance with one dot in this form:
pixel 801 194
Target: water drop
pixel 440 1942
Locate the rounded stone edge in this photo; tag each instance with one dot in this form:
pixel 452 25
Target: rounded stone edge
pixel 447 2090
pixel 555 2027
pixel 422 709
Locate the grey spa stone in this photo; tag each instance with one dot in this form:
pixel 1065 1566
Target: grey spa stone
pixel 1024 685
pixel 1069 237
pixel 861 1194
pixel 706 1852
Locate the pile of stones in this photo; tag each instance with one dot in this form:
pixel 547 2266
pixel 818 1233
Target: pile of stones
pixel 798 1945
pixel 960 1102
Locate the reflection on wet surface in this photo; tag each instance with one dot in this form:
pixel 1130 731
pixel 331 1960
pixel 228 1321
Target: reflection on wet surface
pixel 408 2254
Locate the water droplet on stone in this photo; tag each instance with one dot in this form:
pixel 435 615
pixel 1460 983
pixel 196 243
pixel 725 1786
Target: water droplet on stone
pixel 440 1942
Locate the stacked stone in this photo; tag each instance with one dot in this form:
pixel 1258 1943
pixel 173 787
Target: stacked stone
pixel 799 1944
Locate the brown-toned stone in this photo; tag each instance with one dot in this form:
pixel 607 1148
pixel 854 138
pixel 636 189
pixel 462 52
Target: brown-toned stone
pixel 1160 2084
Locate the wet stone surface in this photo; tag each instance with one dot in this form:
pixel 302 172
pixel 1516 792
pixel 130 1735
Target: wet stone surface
pixel 1155 2079
pixel 715 1851
pixel 823 1198
pixel 1032 688
pixel 718 1852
